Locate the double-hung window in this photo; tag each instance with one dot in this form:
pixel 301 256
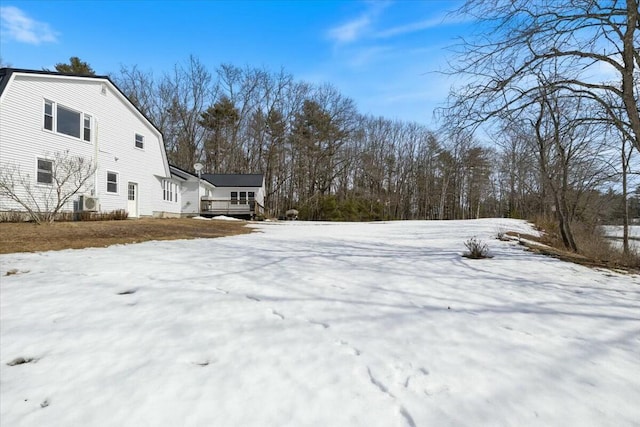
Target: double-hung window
pixel 169 191
pixel 48 115
pixel 112 182
pixel 139 141
pixel 67 121
pixel 86 135
pixel 45 171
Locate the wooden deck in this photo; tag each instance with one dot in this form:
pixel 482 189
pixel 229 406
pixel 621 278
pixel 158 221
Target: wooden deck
pixel 239 208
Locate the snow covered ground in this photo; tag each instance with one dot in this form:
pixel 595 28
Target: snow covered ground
pixel 318 324
pixel 615 233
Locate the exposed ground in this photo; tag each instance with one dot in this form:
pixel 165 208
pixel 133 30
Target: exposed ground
pixel 29 237
pixel 547 246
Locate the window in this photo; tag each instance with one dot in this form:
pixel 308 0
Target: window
pixel 63 120
pixel 139 141
pixel 234 197
pixel 169 191
pixel 112 182
pixel 45 171
pixel 243 197
pixel 87 128
pixel 131 191
pixel 68 122
pixel 48 115
pixel 252 196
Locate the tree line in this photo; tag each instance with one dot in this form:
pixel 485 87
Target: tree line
pixel 559 137
pixel 322 157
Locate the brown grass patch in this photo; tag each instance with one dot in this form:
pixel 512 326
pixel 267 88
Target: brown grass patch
pixel 551 247
pixel 29 237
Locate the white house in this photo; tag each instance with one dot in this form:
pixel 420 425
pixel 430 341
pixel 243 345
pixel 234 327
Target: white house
pixel 191 189
pixel 240 195
pixel 43 114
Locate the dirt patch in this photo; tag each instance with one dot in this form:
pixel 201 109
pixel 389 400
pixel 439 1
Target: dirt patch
pixel 30 237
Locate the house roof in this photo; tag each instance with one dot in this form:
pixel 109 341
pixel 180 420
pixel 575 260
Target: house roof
pixel 234 179
pixel 181 173
pixel 5 77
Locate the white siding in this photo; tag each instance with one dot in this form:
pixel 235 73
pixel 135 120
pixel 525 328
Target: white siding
pixel 116 121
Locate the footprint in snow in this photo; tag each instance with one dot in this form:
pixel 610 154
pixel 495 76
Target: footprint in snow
pixel 321 324
pixel 354 351
pixel 22 361
pixel 417 381
pixel 15 271
pixel 203 363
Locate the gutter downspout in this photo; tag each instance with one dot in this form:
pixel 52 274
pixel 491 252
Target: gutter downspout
pixel 94 192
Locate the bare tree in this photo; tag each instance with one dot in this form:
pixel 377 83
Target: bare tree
pixel 60 178
pixel 575 38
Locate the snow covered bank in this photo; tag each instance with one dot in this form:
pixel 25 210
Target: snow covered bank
pixel 318 324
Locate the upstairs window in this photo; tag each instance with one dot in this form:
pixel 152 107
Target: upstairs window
pixel 48 115
pixel 68 122
pixel 60 119
pixel 45 171
pixel 112 182
pixel 86 135
pixel 139 141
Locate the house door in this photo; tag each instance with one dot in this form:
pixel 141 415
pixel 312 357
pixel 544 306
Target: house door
pixel 132 200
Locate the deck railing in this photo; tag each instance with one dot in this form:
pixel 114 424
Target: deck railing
pixel 230 207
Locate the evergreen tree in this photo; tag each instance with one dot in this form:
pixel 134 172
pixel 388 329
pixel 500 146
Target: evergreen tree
pixel 75 66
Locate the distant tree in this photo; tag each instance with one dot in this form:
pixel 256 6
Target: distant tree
pixel 75 66
pixel 220 120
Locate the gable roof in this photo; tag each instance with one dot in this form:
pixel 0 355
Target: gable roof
pixel 234 179
pixel 7 73
pixel 5 76
pixel 181 173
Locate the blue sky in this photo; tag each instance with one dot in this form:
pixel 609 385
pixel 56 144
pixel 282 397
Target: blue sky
pixel 382 54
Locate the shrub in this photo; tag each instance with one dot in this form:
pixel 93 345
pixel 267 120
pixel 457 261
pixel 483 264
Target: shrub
pixel 477 249
pixel 13 216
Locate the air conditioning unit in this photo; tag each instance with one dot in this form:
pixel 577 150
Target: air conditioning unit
pixel 88 203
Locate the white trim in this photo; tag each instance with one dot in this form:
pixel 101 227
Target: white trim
pixel 117 174
pixel 43 184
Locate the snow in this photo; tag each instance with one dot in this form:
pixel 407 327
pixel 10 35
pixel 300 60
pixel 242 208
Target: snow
pixel 226 218
pixel 318 324
pixel 219 217
pixel 616 232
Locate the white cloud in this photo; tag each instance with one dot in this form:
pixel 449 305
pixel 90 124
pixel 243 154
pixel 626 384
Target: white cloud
pixel 411 27
pixel 16 25
pixel 359 27
pixel 350 31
